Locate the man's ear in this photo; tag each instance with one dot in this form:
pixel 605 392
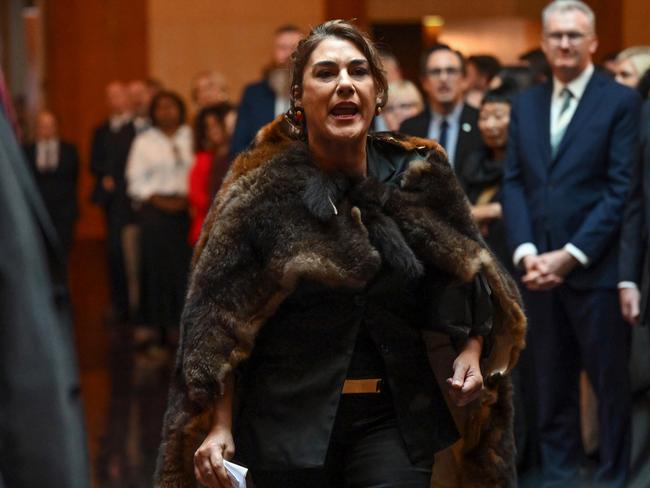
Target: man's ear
pixel 593 45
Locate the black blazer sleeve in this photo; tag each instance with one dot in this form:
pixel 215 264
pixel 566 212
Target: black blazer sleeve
pixel 634 231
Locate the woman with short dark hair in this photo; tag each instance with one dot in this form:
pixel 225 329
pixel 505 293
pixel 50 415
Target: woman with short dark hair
pixel 157 173
pixel 326 255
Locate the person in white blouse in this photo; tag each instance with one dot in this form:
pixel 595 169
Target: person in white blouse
pixel 157 174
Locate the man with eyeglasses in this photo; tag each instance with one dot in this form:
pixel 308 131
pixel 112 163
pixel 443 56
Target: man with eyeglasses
pixel 571 149
pixel 446 118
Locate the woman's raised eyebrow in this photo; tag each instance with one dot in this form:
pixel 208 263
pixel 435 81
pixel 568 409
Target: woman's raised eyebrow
pixel 355 62
pixel 324 63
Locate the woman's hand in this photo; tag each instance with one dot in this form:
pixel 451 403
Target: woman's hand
pixel 208 458
pixel 467 381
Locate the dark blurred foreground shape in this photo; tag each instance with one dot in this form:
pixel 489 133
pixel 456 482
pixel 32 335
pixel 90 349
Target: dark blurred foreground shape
pixel 42 438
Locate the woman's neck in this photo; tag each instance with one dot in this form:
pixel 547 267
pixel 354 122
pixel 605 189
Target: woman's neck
pixel 499 153
pixel 349 158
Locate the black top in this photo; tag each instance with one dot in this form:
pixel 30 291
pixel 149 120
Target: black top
pixel 289 389
pixel 481 179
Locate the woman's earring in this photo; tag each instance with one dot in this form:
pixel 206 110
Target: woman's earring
pixel 378 110
pixel 296 118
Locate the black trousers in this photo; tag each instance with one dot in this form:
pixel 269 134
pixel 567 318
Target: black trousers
pixel 165 260
pixel 366 451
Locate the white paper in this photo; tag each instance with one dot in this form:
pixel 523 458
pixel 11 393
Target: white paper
pixel 237 474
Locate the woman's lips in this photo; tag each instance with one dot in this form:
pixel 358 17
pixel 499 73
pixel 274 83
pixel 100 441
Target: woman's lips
pixel 344 111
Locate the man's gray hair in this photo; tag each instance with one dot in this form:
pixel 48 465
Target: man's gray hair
pixel 567 6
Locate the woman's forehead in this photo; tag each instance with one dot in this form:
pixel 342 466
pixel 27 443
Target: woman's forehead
pixel 333 49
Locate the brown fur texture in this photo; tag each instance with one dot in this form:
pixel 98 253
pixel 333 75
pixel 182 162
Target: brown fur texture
pixel 279 219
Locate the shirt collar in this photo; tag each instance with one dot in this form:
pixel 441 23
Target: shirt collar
pixel 576 86
pixel 42 142
pixel 453 117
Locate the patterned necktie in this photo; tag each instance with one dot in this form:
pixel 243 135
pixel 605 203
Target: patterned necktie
pixel 442 140
pixel 563 119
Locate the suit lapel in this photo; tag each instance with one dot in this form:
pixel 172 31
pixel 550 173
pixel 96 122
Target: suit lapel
pixel 588 103
pixel 544 130
pixel 423 123
pixel 463 143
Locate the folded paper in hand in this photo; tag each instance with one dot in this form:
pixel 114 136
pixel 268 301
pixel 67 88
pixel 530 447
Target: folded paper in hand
pixel 236 473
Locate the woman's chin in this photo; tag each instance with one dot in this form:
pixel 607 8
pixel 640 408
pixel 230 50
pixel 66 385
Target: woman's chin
pixel 350 132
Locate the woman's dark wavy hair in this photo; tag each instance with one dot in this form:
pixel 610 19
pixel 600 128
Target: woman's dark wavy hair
pixel 338 29
pixel 219 112
pixel 174 97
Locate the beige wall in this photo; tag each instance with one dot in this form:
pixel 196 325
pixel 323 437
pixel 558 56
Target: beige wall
pixel 636 22
pixel 505 38
pixel 232 36
pixel 393 10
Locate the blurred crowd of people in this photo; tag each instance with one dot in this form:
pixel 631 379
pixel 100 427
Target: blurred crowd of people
pixel 158 164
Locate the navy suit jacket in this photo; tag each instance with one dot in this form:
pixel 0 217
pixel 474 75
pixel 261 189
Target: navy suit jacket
pixel 579 195
pixel 257 108
pixel 59 187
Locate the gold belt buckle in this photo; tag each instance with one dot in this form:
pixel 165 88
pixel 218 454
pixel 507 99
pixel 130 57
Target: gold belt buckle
pixel 362 386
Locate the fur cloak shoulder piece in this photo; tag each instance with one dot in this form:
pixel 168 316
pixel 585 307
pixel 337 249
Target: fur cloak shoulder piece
pixel 278 219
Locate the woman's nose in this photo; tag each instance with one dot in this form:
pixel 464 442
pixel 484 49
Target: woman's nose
pixel 345 86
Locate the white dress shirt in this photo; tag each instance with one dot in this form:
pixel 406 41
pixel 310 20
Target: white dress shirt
pixel 282 104
pixel 558 125
pixel 116 122
pixel 453 129
pixel 47 155
pixel 158 164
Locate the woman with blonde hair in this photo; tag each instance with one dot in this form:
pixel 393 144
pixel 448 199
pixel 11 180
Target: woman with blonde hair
pixel 404 101
pixel 631 65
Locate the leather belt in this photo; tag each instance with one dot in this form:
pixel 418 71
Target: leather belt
pixel 362 386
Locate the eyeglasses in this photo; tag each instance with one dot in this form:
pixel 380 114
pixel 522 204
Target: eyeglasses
pixel 573 37
pixel 438 72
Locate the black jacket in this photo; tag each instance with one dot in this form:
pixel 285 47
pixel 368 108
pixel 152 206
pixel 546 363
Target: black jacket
pixel 109 155
pixel 58 188
pixel 290 387
pixel 469 137
pixel 634 257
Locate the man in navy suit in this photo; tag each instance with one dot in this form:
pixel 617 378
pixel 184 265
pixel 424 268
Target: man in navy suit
pixel 446 118
pixel 110 148
pixel 264 100
pixel 571 149
pixel 55 165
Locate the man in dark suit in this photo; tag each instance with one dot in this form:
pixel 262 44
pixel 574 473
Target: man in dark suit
pixel 55 166
pixel 109 154
pixel 634 264
pixel 264 100
pixel 42 438
pixel 447 119
pixel 571 150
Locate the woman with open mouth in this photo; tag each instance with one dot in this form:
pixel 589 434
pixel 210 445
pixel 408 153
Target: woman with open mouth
pixel 342 310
